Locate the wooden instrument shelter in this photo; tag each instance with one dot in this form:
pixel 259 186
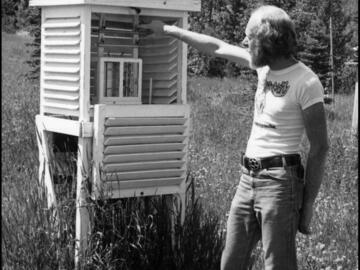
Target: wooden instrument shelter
pixel 121 92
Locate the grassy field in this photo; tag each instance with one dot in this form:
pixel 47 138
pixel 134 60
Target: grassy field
pixel 126 238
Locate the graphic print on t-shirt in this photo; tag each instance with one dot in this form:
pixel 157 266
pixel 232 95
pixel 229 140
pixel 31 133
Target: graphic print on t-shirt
pixel 278 89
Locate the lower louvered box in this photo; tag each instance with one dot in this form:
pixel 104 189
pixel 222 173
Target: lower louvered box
pixel 140 150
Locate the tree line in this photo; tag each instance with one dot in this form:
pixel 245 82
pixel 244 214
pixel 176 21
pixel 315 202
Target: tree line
pixel 227 19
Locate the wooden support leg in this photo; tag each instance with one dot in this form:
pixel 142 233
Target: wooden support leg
pixel 83 224
pixel 177 205
pixel 44 141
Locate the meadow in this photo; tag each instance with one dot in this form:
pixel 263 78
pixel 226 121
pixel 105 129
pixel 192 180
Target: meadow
pixel 127 237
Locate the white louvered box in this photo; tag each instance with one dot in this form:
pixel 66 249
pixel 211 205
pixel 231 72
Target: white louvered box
pixel 120 92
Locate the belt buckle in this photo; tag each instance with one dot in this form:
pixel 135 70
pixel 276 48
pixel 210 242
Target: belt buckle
pixel 254 164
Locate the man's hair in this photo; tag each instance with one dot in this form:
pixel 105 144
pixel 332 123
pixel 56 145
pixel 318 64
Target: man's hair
pixel 274 32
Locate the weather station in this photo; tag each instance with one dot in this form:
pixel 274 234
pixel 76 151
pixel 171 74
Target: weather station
pixel 121 93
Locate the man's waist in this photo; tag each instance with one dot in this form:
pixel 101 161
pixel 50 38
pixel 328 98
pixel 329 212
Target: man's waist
pixel 256 164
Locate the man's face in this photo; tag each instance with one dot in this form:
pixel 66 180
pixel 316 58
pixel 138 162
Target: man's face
pixel 257 58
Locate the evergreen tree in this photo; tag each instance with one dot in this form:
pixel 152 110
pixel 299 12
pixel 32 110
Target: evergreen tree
pixel 315 51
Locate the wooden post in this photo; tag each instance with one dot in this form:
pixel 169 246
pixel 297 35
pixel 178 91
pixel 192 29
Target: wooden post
pixel 83 225
pixel 83 177
pixel 332 66
pixel 354 124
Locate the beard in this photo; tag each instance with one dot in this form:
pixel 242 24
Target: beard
pixel 258 56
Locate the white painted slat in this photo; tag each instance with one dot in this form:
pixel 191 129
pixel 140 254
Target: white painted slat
pixel 160 92
pixel 59 105
pixel 158 40
pixel 113 186
pixel 62 111
pixel 62 69
pixel 121 140
pixel 61 42
pixel 144 130
pixel 67 96
pixel 153 43
pixel 62 33
pixel 152 60
pixel 143 157
pixel 168 76
pixel 143 148
pixel 140 175
pixel 160 68
pixel 164 100
pixel 136 166
pixel 160 84
pixel 62 51
pixel 61 77
pixel 63 60
pixel 61 87
pixel 143 121
pixel 63 24
pixel 157 51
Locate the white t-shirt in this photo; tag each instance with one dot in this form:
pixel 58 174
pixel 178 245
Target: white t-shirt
pixel 280 97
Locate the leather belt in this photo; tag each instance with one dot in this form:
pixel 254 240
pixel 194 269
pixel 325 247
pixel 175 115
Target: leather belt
pixel 255 164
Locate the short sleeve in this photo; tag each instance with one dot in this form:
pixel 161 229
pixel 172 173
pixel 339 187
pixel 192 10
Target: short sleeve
pixel 310 91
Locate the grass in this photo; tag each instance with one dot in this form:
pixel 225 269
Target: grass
pixel 135 234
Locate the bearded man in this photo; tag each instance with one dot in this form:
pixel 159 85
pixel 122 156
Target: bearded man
pixel 275 196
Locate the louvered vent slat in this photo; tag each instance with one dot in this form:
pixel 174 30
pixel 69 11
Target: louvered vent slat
pixel 143 157
pixel 123 140
pixel 143 166
pixel 138 148
pixel 62 38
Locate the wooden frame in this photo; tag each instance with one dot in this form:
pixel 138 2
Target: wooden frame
pixel 138 187
pixel 185 5
pixel 65 85
pixel 120 99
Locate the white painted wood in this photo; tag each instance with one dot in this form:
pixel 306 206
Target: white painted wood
pixel 63 60
pixel 186 5
pixel 70 70
pixel 154 184
pixel 144 148
pixel 62 78
pixel 141 110
pixel 98 147
pixel 83 225
pixel 61 30
pixel 61 51
pixel 143 157
pixel 183 92
pixel 59 104
pixel 42 61
pixel 354 122
pixel 143 121
pixel 61 87
pixel 148 130
pixel 170 92
pixel 132 166
pixel 157 51
pixel 140 175
pixel 85 64
pixel 130 190
pixel 65 126
pixel 120 99
pixel 152 60
pixel 44 156
pixel 124 140
pixel 56 112
pixel 163 84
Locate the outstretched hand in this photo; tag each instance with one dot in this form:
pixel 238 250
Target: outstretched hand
pixel 156 27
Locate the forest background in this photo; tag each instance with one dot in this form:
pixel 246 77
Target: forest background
pixel 227 19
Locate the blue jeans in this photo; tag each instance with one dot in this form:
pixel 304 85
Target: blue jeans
pixel 266 206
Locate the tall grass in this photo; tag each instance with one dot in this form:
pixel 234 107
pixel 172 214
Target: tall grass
pixel 136 233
